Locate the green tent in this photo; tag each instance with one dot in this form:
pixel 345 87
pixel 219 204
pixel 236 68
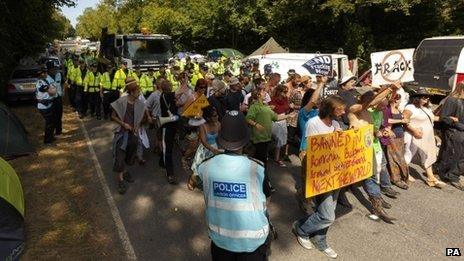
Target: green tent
pixel 225 52
pixel 12 213
pixel 13 135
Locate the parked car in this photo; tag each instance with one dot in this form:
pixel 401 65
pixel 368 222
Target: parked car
pixel 22 84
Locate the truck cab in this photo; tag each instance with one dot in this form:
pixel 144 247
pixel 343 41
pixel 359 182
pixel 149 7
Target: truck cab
pixel 144 50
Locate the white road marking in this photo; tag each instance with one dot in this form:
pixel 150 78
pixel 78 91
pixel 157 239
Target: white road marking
pixel 128 248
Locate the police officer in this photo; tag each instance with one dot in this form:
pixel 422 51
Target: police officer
pixel 81 95
pixel 45 94
pixel 71 77
pixel 108 92
pixel 235 202
pixel 147 82
pixel 92 88
pixel 119 79
pixel 54 77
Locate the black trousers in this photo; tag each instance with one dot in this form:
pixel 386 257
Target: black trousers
pixel 72 95
pixel 95 103
pixel 168 132
pixel 48 116
pixel 58 114
pixel 81 100
pixel 261 153
pixel 260 254
pixel 108 98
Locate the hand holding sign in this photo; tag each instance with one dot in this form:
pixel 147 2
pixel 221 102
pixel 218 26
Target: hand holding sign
pixel 320 65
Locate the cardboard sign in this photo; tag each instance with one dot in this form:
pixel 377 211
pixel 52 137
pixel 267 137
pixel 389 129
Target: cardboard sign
pixel 194 109
pixel 338 159
pixel 320 65
pixel 392 66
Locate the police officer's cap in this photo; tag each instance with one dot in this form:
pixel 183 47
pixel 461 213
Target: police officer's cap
pixel 234 133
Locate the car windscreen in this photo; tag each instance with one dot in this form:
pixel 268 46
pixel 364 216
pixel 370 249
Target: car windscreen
pixel 24 74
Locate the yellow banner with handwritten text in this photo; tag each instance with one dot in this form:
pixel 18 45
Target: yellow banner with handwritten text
pixel 338 159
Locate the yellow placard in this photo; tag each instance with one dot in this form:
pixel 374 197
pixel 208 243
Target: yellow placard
pixel 338 159
pixel 194 109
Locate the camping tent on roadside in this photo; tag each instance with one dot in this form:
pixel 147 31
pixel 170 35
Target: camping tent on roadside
pixel 12 213
pixel 13 135
pixel 271 46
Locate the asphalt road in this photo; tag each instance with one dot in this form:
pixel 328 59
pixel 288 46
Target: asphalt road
pixel 166 222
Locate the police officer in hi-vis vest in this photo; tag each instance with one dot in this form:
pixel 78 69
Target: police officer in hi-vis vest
pixel 232 183
pixel 108 92
pixel 92 88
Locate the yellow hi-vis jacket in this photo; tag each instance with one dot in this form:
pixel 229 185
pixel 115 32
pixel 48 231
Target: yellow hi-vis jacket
pixel 92 82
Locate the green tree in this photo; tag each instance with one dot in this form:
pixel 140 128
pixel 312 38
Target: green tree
pixel 92 20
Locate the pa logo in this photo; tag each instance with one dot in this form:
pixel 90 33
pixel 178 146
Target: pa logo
pixel 453 251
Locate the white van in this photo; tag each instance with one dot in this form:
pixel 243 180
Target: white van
pixel 282 62
pixel 436 60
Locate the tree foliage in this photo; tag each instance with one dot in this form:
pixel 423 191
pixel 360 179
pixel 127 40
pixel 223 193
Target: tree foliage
pixel 358 27
pixel 26 26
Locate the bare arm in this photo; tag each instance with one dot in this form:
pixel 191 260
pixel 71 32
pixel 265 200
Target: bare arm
pixel 204 141
pixel 315 96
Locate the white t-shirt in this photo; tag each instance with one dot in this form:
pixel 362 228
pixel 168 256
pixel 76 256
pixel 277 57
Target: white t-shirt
pixel 316 126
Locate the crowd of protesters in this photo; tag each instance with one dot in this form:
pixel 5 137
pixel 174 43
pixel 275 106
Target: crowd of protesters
pixel 251 117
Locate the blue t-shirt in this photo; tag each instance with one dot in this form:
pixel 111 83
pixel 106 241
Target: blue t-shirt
pixel 303 117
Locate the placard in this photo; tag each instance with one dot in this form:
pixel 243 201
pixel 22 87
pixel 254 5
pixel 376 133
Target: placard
pixel 338 159
pixel 392 66
pixel 320 65
pixel 194 109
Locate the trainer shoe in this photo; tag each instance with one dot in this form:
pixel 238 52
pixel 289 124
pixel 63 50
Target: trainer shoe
pixel 330 253
pixel 304 241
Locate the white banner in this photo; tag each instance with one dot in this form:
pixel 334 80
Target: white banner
pixel 392 66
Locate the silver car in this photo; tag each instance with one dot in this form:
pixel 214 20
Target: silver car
pixel 22 84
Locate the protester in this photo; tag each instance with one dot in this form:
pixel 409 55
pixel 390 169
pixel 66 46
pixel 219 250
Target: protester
pixel 260 84
pixel 312 231
pixel 193 124
pixel 260 118
pixel 217 97
pixel 279 104
pixel 168 130
pixel 208 134
pixel 360 116
pixel 349 95
pixel 393 140
pixel 295 100
pixel 293 81
pixel 153 106
pixel 234 97
pixel 450 162
pixel 128 112
pixel 45 95
pixel 420 137
pixel 227 217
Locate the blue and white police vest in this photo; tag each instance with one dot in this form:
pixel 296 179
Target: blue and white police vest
pixel 235 202
pixel 41 96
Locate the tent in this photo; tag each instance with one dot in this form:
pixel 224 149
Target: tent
pixel 271 46
pixel 12 213
pixel 225 52
pixel 13 135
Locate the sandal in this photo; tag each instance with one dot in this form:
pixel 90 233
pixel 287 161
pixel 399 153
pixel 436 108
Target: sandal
pixel 280 163
pixel 435 183
pixel 286 158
